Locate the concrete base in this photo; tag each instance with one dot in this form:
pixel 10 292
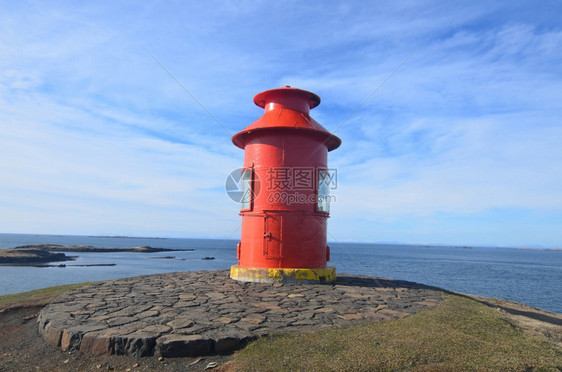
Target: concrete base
pixel 288 276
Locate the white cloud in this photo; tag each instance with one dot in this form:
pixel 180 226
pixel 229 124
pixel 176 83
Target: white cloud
pixel 95 135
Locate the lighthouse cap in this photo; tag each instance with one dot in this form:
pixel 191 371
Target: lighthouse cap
pixel 287 108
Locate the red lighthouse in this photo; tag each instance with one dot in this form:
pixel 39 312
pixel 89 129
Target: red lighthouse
pixel 286 184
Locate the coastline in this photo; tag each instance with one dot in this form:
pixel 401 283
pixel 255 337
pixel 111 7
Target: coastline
pixel 525 276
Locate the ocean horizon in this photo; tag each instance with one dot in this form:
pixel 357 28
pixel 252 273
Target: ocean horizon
pixel 530 276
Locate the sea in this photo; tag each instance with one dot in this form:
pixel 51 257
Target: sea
pixel 528 276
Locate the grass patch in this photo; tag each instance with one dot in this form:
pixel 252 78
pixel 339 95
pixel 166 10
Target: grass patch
pixel 457 334
pixel 37 297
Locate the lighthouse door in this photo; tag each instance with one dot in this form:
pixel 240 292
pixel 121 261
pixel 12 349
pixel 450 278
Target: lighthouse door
pixel 273 230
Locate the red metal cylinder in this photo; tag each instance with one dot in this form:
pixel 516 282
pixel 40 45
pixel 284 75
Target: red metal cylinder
pixel 284 215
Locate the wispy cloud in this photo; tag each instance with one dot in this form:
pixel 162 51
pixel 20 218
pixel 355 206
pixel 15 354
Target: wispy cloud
pixel 96 138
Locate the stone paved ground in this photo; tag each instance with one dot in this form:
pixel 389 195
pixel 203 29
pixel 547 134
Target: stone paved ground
pixel 205 312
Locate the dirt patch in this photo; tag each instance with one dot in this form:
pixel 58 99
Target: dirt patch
pixel 22 349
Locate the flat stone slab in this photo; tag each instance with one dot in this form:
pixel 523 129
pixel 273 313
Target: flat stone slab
pixel 206 312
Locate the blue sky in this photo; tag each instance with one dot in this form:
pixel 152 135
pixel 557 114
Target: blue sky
pixel 460 146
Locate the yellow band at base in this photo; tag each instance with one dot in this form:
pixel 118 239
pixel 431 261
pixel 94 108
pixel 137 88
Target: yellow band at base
pixel 267 275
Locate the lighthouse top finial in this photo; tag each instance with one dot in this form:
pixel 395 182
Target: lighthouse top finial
pixel 287 98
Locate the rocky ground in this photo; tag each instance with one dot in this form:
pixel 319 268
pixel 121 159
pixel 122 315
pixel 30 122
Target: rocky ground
pixel 205 312
pixel 23 349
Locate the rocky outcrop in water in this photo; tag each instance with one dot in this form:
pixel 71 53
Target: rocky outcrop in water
pixel 89 248
pixel 44 253
pixel 26 256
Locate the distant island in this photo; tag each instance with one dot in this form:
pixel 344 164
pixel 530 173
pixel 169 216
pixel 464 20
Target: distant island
pixel 124 237
pixel 540 249
pixel 43 253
